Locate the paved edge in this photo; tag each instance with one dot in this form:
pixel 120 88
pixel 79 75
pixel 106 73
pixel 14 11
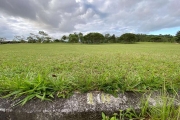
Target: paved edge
pixel 87 106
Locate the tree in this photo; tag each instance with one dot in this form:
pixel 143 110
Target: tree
pixel 73 38
pixel 2 39
pixel 94 38
pixel 106 38
pixel 18 38
pixel 56 40
pixel 30 39
pixel 178 37
pixel 109 39
pixel 44 36
pixel 127 38
pixel 156 39
pixel 63 38
pixel 112 39
pixel 48 39
pixel 81 38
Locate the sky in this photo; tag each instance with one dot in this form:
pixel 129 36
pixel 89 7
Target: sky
pixel 62 17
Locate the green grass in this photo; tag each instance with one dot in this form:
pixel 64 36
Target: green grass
pixel 164 109
pixel 48 70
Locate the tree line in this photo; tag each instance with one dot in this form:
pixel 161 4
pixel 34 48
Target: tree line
pixel 94 38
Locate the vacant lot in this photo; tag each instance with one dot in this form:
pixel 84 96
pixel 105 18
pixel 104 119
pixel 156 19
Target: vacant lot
pixel 60 69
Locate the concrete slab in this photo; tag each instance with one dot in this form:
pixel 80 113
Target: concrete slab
pixel 87 106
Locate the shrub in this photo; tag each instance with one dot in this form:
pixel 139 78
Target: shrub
pixel 127 38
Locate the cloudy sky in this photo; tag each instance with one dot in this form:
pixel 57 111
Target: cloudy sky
pixel 61 17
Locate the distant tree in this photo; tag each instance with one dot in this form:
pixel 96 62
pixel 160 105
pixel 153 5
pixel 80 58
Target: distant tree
pixel 113 39
pixel 142 38
pixel 44 36
pixel 2 39
pixel 23 41
pixel 86 39
pixel 30 39
pixel 73 38
pixel 64 37
pixel 81 38
pixel 38 39
pixel 127 38
pixel 106 38
pixel 156 39
pixel 94 38
pixel 33 36
pixel 18 38
pixel 178 37
pixel 48 39
pixel 109 39
pixel 168 38
pixel 57 40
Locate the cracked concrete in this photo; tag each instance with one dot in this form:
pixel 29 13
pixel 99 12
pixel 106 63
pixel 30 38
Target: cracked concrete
pixel 87 106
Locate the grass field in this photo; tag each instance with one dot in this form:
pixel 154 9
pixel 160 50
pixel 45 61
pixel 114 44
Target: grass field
pixel 47 70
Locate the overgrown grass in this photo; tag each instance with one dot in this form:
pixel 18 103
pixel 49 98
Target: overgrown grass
pixel 166 111
pixel 48 70
pixel 165 108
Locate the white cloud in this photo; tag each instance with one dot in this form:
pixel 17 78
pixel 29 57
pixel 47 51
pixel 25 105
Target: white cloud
pixel 106 16
pixel 90 1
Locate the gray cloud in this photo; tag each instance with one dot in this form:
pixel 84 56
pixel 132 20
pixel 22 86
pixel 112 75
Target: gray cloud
pixel 19 8
pixel 106 16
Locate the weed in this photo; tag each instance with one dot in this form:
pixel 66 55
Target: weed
pixel 163 109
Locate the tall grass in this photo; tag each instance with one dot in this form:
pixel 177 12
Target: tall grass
pixel 165 106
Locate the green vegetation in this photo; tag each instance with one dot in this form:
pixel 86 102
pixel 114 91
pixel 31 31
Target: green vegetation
pixel 166 112
pixel 47 70
pixel 164 109
pixel 127 38
pixel 178 37
pixel 93 38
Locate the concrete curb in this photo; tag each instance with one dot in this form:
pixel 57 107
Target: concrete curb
pixel 87 106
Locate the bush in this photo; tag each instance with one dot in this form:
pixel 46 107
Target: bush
pixel 127 38
pixel 178 37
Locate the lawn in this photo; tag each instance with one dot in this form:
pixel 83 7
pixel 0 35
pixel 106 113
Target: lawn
pixel 47 70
